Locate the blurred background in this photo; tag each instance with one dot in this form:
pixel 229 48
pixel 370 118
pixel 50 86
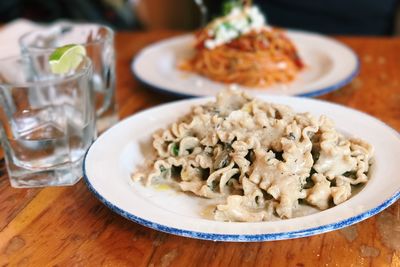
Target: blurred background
pixel 356 17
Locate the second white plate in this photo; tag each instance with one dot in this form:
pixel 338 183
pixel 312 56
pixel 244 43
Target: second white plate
pixel 330 66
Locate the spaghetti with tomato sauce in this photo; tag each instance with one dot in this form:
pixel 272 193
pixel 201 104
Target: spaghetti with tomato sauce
pixel 241 48
pixel 256 59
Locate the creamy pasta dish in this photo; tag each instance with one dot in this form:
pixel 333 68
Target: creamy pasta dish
pixel 261 160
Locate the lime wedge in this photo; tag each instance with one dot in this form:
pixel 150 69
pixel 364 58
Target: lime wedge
pixel 66 58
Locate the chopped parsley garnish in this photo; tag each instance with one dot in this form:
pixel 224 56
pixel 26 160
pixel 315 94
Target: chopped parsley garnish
pixel 175 150
pixel 229 5
pixel 228 25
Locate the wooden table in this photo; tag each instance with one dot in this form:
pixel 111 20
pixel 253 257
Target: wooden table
pixel 69 226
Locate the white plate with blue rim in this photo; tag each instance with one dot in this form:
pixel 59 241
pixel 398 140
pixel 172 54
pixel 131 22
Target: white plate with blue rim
pixel 112 158
pixel 330 65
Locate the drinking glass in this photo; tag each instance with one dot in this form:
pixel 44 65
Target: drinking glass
pixel 47 121
pixel 99 43
pixel 203 12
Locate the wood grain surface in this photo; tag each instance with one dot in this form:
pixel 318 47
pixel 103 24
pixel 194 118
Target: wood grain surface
pixel 68 226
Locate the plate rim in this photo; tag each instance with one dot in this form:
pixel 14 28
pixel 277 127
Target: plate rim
pixel 317 92
pixel 243 237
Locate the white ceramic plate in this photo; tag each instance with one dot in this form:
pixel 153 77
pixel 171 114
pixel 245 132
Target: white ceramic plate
pixel 113 156
pixel 330 66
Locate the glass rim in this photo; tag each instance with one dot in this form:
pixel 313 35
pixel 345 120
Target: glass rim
pixel 35 48
pixel 54 80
